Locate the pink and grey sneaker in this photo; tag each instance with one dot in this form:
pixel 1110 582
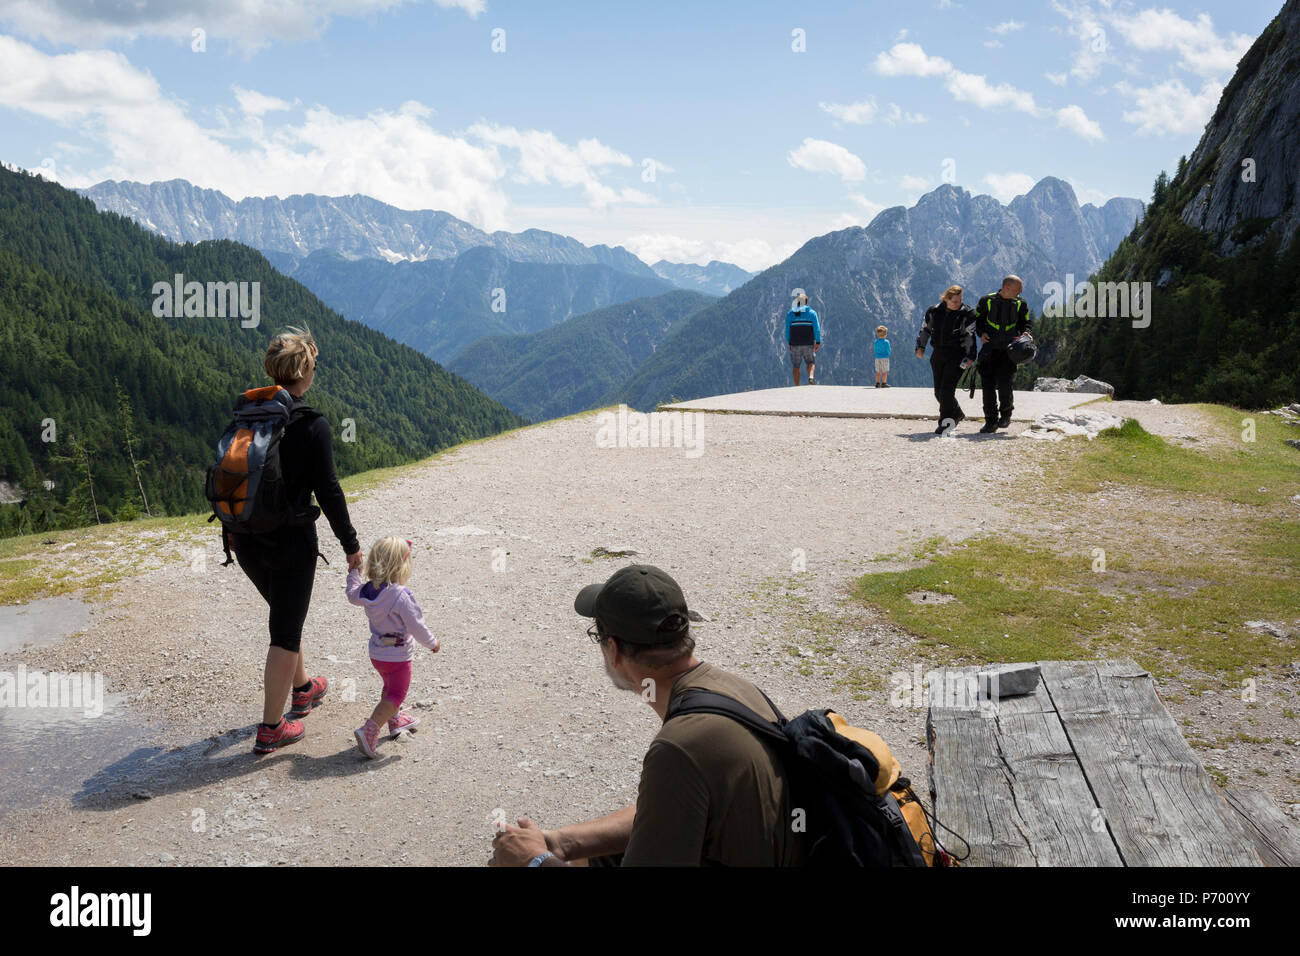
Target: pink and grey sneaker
pixel 368 738
pixel 403 721
pixel 304 702
pixel 281 735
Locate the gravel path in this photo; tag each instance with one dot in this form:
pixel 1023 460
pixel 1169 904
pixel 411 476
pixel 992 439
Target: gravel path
pixel 518 713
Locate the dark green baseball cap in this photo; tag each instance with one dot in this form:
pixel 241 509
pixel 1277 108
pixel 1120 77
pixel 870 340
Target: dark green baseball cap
pixel 634 604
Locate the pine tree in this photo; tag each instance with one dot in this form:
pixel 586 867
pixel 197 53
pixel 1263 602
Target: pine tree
pixel 124 415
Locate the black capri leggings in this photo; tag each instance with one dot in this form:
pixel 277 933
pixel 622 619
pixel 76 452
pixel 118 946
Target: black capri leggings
pixel 282 566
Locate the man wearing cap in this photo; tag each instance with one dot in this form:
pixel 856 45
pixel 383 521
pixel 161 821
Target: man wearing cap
pixel 803 336
pixel 712 793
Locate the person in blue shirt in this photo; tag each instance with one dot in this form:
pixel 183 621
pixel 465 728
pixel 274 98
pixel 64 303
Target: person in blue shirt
pixel 803 336
pixel 883 348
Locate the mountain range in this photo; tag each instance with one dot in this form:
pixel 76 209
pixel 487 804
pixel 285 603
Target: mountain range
pixel 716 278
pixel 356 227
pixel 886 273
pixel 441 306
pixel 411 276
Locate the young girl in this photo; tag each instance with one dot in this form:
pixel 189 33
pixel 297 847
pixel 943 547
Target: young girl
pixel 395 619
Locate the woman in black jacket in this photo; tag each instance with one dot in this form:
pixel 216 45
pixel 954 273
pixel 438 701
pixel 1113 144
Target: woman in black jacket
pixel 949 327
pixel 282 563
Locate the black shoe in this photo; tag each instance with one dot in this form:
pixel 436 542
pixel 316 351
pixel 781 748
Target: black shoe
pixel 1005 421
pixel 885 385
pixel 989 428
pixel 939 430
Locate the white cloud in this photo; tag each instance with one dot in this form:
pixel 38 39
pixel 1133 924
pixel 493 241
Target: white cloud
pixel 250 24
pixel 866 111
pixel 1074 119
pixel 908 59
pixel 544 159
pixel 820 156
pixel 1200 49
pixel 1007 26
pixel 914 183
pixel 1170 107
pixel 895 115
pixel 857 113
pixel 1094 44
pixel 1057 79
pixel 1007 186
pixel 396 156
pixel 255 104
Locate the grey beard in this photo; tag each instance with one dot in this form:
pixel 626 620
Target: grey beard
pixel 621 682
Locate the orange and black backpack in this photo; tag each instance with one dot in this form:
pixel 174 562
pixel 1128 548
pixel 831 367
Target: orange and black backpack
pixel 246 484
pixel 858 808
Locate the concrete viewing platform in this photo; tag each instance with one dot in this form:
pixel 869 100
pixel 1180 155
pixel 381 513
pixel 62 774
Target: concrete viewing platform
pixel 865 401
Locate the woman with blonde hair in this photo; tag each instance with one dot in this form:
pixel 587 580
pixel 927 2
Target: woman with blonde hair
pixel 282 563
pixel 949 326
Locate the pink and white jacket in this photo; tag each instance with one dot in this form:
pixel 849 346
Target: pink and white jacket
pixel 394 616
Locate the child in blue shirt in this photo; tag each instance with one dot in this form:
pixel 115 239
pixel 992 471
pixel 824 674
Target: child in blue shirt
pixel 883 349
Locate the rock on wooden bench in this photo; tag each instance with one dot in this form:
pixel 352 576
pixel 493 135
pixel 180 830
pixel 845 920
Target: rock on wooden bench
pixel 1085 768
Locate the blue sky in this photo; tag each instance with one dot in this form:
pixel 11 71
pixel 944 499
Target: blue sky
pixel 686 131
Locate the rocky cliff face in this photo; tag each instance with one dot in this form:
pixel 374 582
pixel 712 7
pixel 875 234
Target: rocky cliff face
pixel 1076 238
pixel 356 227
pixel 1257 124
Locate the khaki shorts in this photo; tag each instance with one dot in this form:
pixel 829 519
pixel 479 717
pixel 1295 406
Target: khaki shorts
pixel 882 365
pixel 802 355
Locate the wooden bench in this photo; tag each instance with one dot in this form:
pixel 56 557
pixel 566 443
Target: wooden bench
pixel 1087 769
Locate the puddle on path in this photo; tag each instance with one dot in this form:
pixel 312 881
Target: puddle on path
pixel 54 752
pixel 41 622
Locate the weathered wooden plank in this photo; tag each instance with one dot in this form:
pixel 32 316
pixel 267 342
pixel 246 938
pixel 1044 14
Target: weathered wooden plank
pixel 1161 806
pixel 1004 777
pixel 1275 835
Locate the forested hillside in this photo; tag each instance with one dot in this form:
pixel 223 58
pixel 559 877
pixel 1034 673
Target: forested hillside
pixel 579 363
pixel 76 323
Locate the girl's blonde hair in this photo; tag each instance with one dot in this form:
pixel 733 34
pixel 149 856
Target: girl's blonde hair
pixel 389 561
pixel 290 356
pixel 881 330
pixel 952 290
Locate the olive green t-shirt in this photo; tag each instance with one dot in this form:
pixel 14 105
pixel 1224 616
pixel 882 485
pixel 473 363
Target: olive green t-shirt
pixel 712 792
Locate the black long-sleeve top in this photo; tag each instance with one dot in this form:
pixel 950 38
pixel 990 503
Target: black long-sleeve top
pixel 307 457
pixel 948 329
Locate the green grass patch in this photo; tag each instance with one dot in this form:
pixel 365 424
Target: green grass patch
pixel 1016 600
pixel 1133 456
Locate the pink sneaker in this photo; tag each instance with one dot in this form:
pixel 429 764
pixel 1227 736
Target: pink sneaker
pixel 403 721
pixel 368 738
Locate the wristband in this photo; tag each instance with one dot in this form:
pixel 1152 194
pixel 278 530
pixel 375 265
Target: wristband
pixel 540 858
